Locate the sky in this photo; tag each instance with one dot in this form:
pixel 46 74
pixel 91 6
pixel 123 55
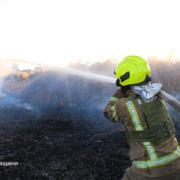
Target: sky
pixel 62 31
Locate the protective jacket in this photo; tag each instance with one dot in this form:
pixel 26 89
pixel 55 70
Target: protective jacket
pixel 154 148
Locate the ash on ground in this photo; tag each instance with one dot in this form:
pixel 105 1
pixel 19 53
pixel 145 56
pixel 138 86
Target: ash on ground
pixel 52 124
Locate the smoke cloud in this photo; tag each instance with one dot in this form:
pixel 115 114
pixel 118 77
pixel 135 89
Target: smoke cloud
pixel 5 69
pixel 53 93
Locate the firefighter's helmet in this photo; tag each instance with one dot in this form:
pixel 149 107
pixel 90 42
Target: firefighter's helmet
pixel 132 70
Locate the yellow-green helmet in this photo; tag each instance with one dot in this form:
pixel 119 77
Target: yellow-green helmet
pixel 132 70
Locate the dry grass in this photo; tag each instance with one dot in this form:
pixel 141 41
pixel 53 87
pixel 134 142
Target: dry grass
pixel 167 72
pixel 44 90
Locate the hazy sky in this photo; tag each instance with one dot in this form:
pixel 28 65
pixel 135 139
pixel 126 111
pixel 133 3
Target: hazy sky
pixel 65 30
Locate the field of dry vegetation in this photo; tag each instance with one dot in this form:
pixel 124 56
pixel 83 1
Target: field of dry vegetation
pixel 165 71
pixel 52 124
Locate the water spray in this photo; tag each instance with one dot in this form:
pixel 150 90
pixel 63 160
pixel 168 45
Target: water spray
pixel 91 76
pixel 162 94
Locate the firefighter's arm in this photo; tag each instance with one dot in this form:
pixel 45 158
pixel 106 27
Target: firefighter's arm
pixel 109 110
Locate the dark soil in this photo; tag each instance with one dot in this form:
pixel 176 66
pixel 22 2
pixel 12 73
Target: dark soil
pixel 70 146
pixel 54 127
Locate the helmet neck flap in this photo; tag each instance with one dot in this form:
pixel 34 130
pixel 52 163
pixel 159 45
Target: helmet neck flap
pixel 148 90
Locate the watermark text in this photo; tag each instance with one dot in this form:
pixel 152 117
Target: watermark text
pixel 8 163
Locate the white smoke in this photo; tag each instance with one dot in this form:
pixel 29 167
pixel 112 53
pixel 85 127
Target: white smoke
pixel 1 86
pixel 23 105
pixel 5 69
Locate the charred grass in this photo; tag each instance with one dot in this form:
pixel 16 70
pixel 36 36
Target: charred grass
pixel 63 147
pixel 52 124
pixel 54 128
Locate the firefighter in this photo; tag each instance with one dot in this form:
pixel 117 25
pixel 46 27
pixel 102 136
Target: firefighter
pixel 150 132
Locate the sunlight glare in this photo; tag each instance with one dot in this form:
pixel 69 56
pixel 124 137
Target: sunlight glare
pixel 59 32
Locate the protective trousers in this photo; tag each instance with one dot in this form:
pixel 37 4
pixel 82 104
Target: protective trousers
pixel 128 175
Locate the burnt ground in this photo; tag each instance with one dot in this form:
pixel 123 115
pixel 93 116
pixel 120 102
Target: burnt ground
pixel 53 126
pixel 69 146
